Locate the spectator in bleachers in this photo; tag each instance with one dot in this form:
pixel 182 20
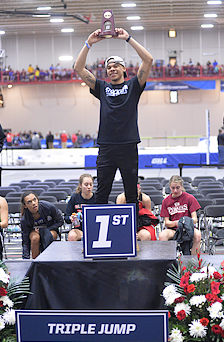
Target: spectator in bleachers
pixel 3 221
pixel 37 73
pixel 83 195
pixel 40 224
pixel 30 71
pixel 74 140
pixel 64 138
pixel 35 143
pixel 177 205
pixel 146 220
pixel 50 140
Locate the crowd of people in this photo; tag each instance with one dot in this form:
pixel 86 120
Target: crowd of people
pixel 37 140
pixel 159 70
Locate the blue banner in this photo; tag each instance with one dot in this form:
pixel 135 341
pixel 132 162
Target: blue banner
pixel 109 231
pixel 92 326
pixel 164 160
pixel 181 85
pixel 222 85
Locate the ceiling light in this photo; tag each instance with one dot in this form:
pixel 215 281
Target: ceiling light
pixel 128 4
pixel 172 33
pixel 207 26
pixel 134 17
pixel 83 84
pixel 44 8
pixel 65 58
pixel 2 32
pixel 137 28
pixel 210 15
pixel 65 30
pixel 216 2
pixel 56 20
pixel 41 15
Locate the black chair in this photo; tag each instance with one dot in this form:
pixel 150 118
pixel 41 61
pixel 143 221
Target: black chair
pixel 61 188
pixel 214 227
pixel 221 180
pixel 13 199
pixel 55 180
pixel 68 185
pixel 152 192
pixel 215 195
pixel 60 195
pixel 199 196
pixel 187 179
pixel 14 207
pixel 14 194
pixel 62 206
pixel 157 199
pixel 49 184
pixel 157 179
pixel 198 180
pixel 148 188
pixel 34 186
pixel 52 199
pixel 212 190
pixel 5 190
pixel 15 187
pixel 32 181
pixel 36 190
pixel 21 185
pixel 219 201
pixel 205 185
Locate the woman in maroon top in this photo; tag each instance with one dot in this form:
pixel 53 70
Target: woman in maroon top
pixel 178 204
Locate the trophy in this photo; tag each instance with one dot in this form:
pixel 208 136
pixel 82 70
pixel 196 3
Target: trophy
pixel 108 26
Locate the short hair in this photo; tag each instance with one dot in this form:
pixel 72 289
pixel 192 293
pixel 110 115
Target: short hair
pixel 81 178
pixel 22 202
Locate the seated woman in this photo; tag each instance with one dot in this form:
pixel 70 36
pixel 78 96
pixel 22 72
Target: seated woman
pixel 3 221
pixel 83 195
pixel 177 205
pixel 39 224
pixel 146 225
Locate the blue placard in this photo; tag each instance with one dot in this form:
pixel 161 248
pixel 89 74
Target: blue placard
pixel 109 231
pixel 92 326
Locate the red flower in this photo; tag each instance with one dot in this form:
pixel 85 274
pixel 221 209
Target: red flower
pixel 181 315
pixel 204 321
pixel 217 329
pixel 184 268
pixel 222 264
pixel 184 279
pixel 222 333
pixel 169 315
pixel 217 275
pixel 215 287
pixel 179 300
pixel 3 292
pixel 189 288
pixel 209 297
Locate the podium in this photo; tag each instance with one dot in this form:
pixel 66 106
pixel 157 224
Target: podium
pixel 62 279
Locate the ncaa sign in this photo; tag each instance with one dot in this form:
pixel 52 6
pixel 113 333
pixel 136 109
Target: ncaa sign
pixel 109 231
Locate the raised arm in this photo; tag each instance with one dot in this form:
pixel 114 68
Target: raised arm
pixel 4 213
pixel 146 57
pixel 80 63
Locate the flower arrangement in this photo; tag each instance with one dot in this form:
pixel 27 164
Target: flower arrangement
pixel 195 300
pixel 12 296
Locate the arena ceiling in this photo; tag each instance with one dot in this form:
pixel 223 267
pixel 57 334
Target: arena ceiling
pixel 84 16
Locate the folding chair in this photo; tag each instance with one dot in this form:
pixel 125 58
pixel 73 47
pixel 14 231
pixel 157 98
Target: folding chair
pixel 51 199
pixel 21 185
pixel 49 184
pixel 32 181
pixel 214 227
pixel 34 186
pixel 60 195
pixel 5 190
pixel 211 190
pixel 55 180
pixel 198 180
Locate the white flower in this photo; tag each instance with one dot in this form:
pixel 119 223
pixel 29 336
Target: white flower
pixel 2 323
pixel 176 336
pixel 170 300
pixel 215 310
pixel 169 291
pixel 9 317
pixel 222 324
pixel 182 306
pixel 196 329
pixel 195 277
pixel 208 270
pixel 4 277
pixel 197 300
pixel 222 297
pixel 6 301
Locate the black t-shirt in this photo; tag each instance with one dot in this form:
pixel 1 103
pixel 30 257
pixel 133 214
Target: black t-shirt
pixel 75 205
pixel 118 111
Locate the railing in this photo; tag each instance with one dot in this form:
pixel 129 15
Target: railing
pixel 181 166
pixel 183 140
pixel 69 75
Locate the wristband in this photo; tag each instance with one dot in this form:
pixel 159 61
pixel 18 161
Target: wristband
pixel 87 44
pixel 127 40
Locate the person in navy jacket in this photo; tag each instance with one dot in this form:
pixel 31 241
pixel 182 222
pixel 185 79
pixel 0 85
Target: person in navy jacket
pixel 40 224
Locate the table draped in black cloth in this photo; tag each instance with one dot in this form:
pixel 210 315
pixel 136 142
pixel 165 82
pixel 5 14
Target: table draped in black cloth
pixel 62 279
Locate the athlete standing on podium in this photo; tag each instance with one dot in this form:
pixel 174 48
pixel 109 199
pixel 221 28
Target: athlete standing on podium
pixel 118 129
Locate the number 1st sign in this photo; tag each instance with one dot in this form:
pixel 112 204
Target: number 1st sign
pixel 109 231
